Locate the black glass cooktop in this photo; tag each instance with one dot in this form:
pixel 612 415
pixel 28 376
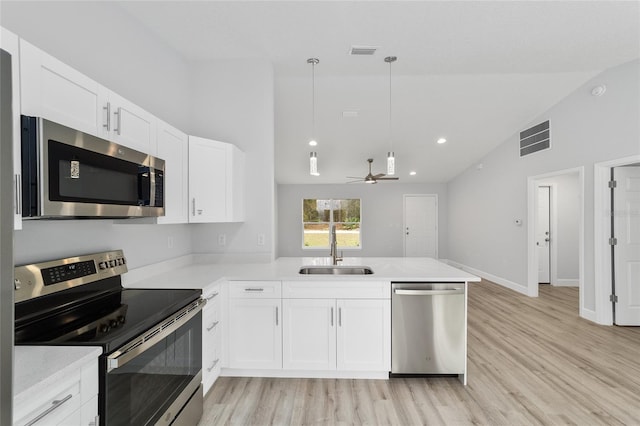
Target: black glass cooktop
pixel 108 319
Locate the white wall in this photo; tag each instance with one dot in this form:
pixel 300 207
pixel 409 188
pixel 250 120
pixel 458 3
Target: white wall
pixel 483 203
pixel 566 195
pixel 103 42
pixel 381 216
pixel 233 101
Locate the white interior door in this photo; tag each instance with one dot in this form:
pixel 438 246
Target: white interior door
pixel 421 226
pixel 626 203
pixel 543 237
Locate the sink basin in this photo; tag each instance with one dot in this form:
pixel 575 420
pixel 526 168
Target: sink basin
pixel 336 270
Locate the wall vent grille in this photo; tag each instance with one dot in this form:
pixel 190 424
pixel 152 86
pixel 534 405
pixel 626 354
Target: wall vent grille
pixel 535 139
pixel 362 50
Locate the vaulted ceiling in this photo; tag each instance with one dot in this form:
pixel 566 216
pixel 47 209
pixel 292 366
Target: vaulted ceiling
pixel 474 72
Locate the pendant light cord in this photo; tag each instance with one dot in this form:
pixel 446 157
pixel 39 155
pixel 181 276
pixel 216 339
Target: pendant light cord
pixel 313 100
pixel 390 139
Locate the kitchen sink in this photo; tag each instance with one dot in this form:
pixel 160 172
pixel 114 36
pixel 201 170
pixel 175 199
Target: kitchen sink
pixel 336 270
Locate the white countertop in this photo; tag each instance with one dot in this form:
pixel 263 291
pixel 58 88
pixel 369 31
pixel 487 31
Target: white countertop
pixel 44 366
pixel 201 275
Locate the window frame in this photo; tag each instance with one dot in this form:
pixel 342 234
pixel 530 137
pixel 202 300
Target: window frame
pixel 330 223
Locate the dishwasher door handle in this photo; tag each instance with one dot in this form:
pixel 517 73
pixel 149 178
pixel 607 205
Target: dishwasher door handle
pixel 447 292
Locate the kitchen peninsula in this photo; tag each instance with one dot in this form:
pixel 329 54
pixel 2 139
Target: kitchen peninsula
pixel 269 320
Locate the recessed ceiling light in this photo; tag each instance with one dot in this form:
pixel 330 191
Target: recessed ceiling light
pixel 412 173
pixel 313 143
pixel 441 140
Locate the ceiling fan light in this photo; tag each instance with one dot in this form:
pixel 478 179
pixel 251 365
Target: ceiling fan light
pixel 313 164
pixel 391 164
pixel 313 143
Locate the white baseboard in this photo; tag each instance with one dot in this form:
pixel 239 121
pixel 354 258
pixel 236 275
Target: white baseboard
pixel 567 282
pixel 520 288
pixel 590 315
pixel 304 374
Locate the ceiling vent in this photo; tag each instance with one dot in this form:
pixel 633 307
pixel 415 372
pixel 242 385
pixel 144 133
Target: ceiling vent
pixel 534 139
pixel 362 50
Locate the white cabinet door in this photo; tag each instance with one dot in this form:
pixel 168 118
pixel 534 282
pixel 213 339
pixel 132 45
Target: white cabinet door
pixel 207 180
pixel 57 92
pixel 364 335
pixel 309 334
pixel 130 125
pixel 9 43
pixel 255 333
pixel 173 148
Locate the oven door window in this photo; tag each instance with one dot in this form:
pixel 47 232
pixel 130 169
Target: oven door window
pixel 80 175
pixel 140 391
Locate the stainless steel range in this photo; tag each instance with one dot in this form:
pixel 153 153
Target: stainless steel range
pixel 151 366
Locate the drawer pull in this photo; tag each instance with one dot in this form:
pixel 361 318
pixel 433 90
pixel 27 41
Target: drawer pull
pixel 211 296
pixel 54 405
pixel 212 326
pixel 213 365
pixel 256 289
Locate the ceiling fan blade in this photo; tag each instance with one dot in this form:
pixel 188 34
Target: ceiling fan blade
pixel 387 178
pixel 355 181
pixel 379 175
pixel 355 177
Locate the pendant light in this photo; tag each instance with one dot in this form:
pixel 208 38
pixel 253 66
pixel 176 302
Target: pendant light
pixel 313 164
pixel 391 161
pixel 313 156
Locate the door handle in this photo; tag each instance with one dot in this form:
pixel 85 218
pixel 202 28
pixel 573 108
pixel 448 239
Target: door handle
pixel 119 120
pixel 107 124
pixel 409 292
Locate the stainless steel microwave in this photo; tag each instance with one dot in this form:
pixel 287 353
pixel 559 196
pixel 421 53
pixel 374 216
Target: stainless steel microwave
pixel 70 174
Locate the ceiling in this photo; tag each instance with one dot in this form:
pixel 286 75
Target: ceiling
pixel 473 72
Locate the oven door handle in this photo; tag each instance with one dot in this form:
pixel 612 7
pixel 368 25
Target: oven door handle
pixel 154 335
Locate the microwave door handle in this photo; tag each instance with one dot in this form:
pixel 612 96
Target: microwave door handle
pixel 128 352
pixel 152 187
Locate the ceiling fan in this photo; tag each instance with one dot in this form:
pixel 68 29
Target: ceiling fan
pixel 371 178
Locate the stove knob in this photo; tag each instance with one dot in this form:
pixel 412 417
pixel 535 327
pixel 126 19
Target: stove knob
pixel 113 323
pixel 104 328
pixel 102 265
pixel 120 319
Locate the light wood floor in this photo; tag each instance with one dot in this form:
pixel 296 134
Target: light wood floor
pixel 531 361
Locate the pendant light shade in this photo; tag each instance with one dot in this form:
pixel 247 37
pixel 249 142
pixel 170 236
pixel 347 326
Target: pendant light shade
pixel 391 160
pixel 313 164
pixel 391 163
pixel 313 158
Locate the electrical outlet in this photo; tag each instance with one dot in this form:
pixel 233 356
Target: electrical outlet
pixel 260 239
pixel 169 242
pixel 222 239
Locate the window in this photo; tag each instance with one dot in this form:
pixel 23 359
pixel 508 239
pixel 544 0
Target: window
pixel 319 215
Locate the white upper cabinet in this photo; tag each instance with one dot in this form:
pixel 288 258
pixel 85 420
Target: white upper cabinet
pixel 173 148
pixel 216 181
pixel 129 125
pixel 9 43
pixel 57 92
pixel 54 90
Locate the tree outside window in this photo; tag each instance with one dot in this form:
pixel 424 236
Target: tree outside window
pixel 318 215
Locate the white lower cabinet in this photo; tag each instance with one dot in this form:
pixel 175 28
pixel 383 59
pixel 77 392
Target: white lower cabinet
pixel 364 335
pixel 332 326
pixel 73 401
pixel 211 337
pixel 255 325
pixel 329 334
pixel 309 334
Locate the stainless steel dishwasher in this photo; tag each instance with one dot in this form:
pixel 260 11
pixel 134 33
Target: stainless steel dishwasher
pixel 428 328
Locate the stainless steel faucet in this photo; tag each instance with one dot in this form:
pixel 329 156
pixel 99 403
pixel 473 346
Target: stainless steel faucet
pixel 334 247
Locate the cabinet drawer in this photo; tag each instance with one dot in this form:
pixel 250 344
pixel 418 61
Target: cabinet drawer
pixel 255 289
pixel 52 407
pixel 336 290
